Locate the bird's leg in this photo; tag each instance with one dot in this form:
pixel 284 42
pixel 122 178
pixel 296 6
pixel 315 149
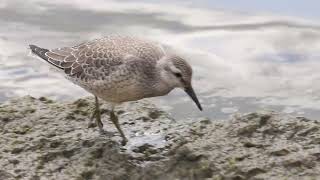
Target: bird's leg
pixel 97 115
pixel 91 124
pixel 115 121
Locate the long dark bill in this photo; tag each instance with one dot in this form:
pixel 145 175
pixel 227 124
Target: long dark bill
pixel 190 92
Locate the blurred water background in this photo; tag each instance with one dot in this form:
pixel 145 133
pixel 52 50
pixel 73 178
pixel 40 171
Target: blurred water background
pixel 247 55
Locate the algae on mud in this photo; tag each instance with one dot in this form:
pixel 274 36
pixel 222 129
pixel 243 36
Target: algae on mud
pixel 43 139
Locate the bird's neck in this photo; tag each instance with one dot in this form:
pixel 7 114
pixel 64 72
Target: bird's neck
pixel 162 85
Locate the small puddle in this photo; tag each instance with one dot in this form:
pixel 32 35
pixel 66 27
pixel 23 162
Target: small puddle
pixel 154 141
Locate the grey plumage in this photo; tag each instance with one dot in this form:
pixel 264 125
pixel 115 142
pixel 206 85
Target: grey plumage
pixel 109 63
pixel 121 68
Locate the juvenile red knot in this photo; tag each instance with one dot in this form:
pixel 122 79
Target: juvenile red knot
pixel 119 69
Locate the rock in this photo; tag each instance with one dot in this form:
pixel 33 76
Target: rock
pixel 280 152
pixel 44 139
pixel 5 175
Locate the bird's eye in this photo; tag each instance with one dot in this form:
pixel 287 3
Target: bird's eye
pixel 178 75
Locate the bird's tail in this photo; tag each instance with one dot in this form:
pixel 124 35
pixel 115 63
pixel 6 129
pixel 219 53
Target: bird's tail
pixel 41 52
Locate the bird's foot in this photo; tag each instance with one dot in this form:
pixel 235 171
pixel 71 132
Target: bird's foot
pixel 103 132
pixel 124 142
pixel 92 124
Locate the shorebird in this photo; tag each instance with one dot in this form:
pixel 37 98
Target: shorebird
pixel 119 69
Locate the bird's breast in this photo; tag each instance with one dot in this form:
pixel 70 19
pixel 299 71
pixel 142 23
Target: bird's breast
pixel 122 89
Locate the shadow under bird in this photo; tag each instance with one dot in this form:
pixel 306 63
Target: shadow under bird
pixel 119 69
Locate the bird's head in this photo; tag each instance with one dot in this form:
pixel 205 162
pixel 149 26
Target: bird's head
pixel 177 73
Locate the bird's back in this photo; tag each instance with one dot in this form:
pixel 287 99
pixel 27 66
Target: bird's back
pixel 118 46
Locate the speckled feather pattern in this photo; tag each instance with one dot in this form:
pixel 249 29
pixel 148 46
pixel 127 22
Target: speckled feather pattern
pixel 115 68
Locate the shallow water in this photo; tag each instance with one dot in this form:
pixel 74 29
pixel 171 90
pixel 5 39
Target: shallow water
pixel 242 61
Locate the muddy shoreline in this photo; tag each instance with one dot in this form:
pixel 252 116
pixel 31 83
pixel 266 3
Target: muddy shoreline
pixel 44 139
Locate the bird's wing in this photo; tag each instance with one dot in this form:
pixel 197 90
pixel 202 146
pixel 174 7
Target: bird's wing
pixel 94 60
pixel 87 61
